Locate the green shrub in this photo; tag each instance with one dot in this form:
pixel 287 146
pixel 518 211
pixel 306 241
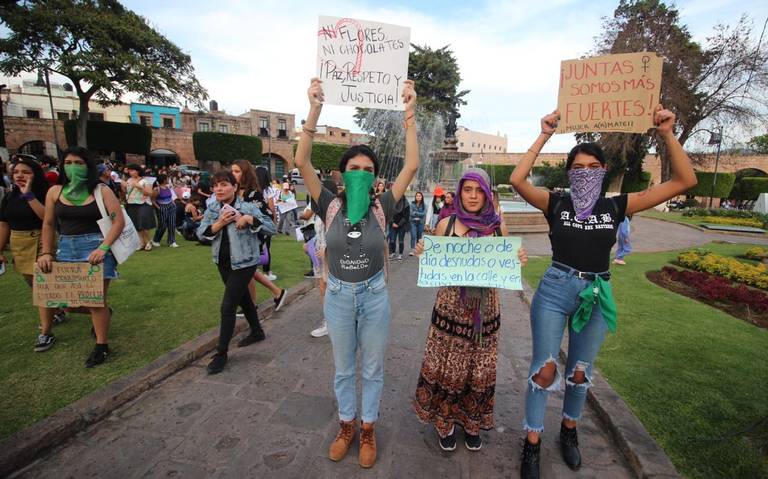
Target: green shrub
pixel 226 147
pixel 326 156
pixel 742 214
pixel 704 187
pixel 112 136
pixel 551 176
pixel 499 173
pixel 752 187
pixel 632 185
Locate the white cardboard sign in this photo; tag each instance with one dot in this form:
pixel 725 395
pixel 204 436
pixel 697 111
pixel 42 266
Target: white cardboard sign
pixel 361 63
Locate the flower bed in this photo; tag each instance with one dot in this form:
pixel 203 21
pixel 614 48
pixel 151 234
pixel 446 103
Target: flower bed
pixel 724 220
pixel 737 300
pixel 757 253
pixel 733 269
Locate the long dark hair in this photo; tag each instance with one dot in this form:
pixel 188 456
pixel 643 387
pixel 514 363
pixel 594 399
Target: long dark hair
pixel 248 180
pixel 84 154
pixel 263 178
pixel 355 150
pixel 591 149
pixel 39 184
pixel 417 202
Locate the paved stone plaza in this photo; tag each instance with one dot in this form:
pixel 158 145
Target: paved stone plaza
pixel 272 412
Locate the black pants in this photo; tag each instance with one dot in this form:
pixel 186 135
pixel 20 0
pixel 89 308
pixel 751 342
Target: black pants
pixel 236 293
pixel 397 236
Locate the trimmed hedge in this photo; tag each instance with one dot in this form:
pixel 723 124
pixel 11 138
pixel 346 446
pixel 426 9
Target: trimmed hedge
pixel 226 147
pixel 633 185
pixel 723 188
pixel 112 136
pixel 751 187
pixel 326 156
pixel 744 214
pixel 552 176
pixel 499 173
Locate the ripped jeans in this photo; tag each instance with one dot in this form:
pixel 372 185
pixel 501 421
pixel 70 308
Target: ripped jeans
pixel 555 301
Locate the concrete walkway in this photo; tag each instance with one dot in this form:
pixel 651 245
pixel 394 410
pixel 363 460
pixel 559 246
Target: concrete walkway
pixel 272 412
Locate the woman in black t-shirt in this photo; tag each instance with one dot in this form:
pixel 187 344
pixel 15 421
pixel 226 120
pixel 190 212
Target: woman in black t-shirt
pixel 583 227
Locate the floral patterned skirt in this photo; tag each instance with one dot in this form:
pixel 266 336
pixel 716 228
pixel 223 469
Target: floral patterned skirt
pixel 457 382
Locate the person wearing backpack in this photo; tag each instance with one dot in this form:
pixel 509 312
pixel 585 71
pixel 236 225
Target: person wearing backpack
pixel 575 291
pixel 457 381
pixel 356 303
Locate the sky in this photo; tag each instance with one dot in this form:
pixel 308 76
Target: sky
pixel 261 53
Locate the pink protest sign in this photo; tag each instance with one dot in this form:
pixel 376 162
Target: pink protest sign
pixel 362 63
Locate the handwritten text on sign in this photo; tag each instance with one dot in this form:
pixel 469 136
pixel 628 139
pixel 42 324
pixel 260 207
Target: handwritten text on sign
pixel 609 93
pixel 488 262
pixel 69 284
pixel 362 64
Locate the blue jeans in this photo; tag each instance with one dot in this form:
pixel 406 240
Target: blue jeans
pixel 417 231
pixel 623 244
pixel 358 318
pixel 77 248
pixel 555 301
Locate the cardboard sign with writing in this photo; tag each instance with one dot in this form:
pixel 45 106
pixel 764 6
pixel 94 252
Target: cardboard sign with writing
pixel 361 63
pixel 69 284
pixel 488 262
pixel 611 93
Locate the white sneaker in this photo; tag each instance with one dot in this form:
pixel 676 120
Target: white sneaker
pixel 392 256
pixel 399 257
pixel 271 276
pixel 148 247
pixel 320 332
pixel 155 244
pixel 173 245
pixel 410 253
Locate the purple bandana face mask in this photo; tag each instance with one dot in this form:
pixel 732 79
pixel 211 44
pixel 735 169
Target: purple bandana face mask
pixel 586 184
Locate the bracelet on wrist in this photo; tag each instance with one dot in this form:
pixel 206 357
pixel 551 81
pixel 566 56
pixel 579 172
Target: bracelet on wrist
pixel 44 254
pixel 533 151
pixel 104 247
pixel 28 196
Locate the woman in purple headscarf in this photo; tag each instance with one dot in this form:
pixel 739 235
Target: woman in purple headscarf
pixel 575 290
pixel 458 376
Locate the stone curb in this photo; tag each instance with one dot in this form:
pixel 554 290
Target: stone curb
pixel 645 457
pixel 705 230
pixel 26 445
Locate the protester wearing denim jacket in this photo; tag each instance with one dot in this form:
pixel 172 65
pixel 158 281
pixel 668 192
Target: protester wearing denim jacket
pixel 418 216
pixel 234 227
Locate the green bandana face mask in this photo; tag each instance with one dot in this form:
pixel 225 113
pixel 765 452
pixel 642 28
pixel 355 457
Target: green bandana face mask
pixel 357 184
pixel 76 190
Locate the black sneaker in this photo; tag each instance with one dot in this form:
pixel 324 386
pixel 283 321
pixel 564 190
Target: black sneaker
pixel 569 447
pixel 218 361
pixel 59 317
pixel 473 443
pixel 44 342
pixel 529 460
pixel 254 337
pixel 309 274
pixel 448 443
pixel 280 300
pixel 97 356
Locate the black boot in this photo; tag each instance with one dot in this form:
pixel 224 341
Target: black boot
pixel 529 460
pixel 569 446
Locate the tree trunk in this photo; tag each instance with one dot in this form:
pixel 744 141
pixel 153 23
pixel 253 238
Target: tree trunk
pixel 82 122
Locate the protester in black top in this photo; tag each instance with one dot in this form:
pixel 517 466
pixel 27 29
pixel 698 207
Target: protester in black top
pixel 583 228
pixel 401 222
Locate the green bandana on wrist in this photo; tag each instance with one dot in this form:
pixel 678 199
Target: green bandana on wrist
pixel 357 185
pixel 76 189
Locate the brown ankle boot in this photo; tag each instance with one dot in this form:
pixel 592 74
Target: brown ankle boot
pixel 340 445
pixel 367 454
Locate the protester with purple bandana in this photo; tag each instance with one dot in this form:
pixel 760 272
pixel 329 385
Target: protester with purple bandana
pixel 458 376
pixel 575 289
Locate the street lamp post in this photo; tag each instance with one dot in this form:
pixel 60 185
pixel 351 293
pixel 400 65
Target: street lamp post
pixel 2 122
pixel 715 138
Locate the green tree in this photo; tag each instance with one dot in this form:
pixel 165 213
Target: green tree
pixel 105 49
pixel 759 144
pixel 722 82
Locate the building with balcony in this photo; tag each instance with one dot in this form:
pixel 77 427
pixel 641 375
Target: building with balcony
pixel 215 120
pixel 470 141
pixel 275 130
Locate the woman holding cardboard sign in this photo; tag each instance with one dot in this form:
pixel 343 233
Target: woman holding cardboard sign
pixel 356 223
pixel 73 207
pixel 458 376
pixel 575 290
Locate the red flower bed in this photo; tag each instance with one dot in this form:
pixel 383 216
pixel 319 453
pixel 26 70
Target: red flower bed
pixel 716 288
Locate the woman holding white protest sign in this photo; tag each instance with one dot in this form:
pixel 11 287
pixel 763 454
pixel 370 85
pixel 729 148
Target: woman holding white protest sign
pixel 356 300
pixel 575 290
pixel 458 375
pixel 73 207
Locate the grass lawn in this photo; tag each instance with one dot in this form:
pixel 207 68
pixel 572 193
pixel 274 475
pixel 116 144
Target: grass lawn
pixel 675 217
pixel 694 375
pixel 163 299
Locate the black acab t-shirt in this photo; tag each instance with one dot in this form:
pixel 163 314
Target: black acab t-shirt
pixel 584 245
pixel 18 214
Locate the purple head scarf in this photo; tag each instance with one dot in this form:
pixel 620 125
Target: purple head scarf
pixel 486 221
pixel 586 185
